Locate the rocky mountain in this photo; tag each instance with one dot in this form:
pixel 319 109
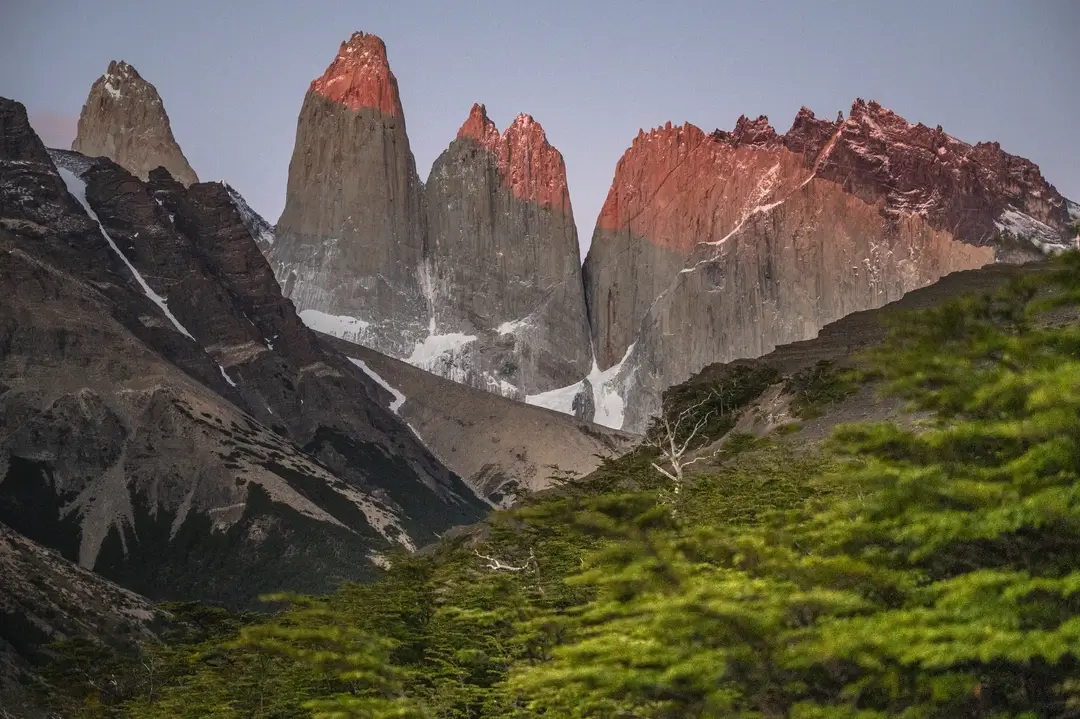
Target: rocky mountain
pixel 756 239
pixel 749 237
pixel 474 277
pixel 349 245
pixel 166 419
pixel 503 253
pixel 124 119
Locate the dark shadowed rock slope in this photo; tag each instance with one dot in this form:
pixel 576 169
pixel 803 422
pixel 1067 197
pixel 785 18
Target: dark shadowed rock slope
pixel 165 418
pixel 45 598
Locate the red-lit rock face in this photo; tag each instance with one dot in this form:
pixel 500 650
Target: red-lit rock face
pixel 528 165
pixel 676 186
pixel 711 247
pixel 360 77
pixel 480 128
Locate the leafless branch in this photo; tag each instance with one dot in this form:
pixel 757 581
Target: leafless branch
pixel 666 438
pixel 499 565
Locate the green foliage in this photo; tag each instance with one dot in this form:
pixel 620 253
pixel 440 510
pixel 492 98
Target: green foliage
pixel 900 572
pixel 815 388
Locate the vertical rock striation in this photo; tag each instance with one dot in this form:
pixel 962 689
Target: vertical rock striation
pixel 349 244
pixel 124 120
pixel 475 277
pixel 504 257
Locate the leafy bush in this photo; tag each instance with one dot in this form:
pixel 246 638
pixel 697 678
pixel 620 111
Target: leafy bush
pixel 815 388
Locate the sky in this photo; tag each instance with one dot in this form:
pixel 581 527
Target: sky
pixel 233 73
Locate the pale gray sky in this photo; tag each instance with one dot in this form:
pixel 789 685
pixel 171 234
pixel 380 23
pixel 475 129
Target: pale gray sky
pixel 233 73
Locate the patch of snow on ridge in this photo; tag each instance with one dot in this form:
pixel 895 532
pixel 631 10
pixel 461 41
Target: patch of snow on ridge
pixel 350 329
pixel 560 400
pixel 111 89
pixel 399 398
pixel 226 376
pixel 760 209
pixel 77 187
pixel 1040 234
pixel 607 394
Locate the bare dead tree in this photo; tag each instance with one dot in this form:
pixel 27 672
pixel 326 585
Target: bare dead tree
pixel 666 438
pixel 501 566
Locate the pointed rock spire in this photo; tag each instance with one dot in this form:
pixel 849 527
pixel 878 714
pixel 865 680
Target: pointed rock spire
pixel 360 77
pixel 124 119
pixel 504 254
pixel 528 164
pixel 480 128
pixel 349 242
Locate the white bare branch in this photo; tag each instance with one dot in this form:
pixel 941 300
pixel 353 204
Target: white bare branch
pixel 501 566
pixel 666 438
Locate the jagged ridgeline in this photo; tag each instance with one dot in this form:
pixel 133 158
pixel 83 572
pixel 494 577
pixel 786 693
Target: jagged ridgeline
pixel 898 569
pixel 753 238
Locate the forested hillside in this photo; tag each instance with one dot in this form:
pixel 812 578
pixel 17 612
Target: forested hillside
pixel 923 567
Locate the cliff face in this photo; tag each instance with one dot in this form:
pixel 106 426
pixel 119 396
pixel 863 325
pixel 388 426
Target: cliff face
pixel 475 277
pixel 503 257
pixel 350 242
pixel 710 246
pixel 714 247
pixel 124 119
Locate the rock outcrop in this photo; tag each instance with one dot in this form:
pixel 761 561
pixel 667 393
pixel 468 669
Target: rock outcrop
pixel 715 247
pixel 166 419
pixel 504 258
pixel 349 245
pixel 124 120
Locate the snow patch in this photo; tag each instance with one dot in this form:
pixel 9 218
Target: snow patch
pixel 607 395
pixel 760 209
pixel 344 327
pixel 113 90
pixel 435 348
pixel 77 187
pixel 507 328
pixel 226 376
pixel 1024 226
pixel 497 385
pixel 399 398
